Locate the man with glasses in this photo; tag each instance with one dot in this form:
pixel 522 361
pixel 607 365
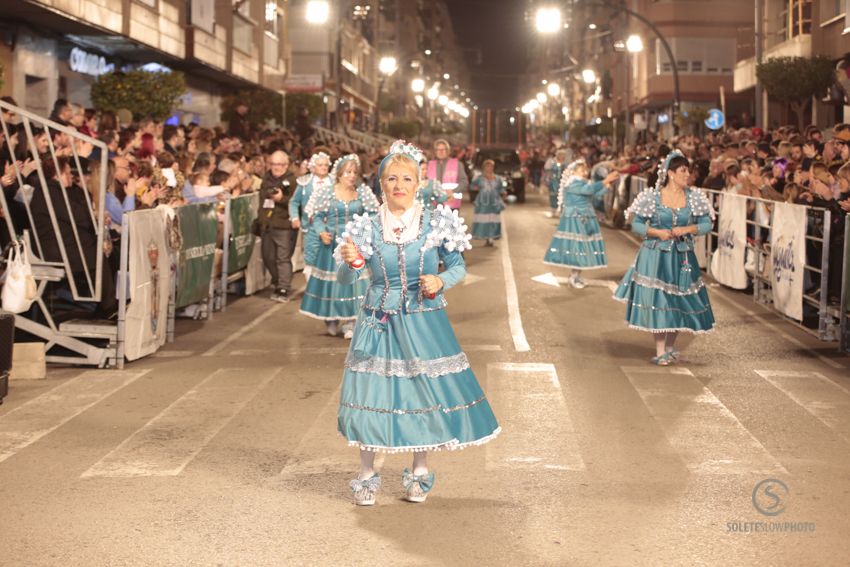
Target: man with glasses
pixel 278 236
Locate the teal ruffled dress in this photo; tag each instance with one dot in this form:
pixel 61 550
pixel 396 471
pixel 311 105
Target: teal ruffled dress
pixel 664 290
pixel 430 194
pixel 298 210
pixel 578 242
pixel 325 298
pixel 487 217
pixel 407 385
pixel 553 175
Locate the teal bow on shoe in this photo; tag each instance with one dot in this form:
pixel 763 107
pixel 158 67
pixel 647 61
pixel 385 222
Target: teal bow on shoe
pixel 425 481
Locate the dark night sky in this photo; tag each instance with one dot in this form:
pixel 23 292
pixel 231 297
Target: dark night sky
pixel 498 29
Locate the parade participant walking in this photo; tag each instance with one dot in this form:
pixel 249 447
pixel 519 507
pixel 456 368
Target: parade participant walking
pixel 331 208
pixel 430 194
pixel 276 230
pixel 487 219
pixel 664 291
pixel 449 172
pixel 319 166
pixel 554 172
pixel 408 386
pixel 578 242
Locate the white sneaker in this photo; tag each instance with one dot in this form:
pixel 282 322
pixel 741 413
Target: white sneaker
pixel 578 283
pixel 349 334
pixel 333 328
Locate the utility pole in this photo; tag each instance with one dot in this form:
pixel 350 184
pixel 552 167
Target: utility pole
pixel 759 37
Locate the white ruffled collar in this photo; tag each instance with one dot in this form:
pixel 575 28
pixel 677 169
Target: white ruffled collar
pixel 409 222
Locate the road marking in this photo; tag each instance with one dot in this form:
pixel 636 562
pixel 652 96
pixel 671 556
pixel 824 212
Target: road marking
pixel 722 295
pixel 706 435
pixel 33 420
pixel 173 353
pixel 322 449
pixel 233 336
pixel 827 401
pixel 514 317
pixel 169 441
pixel 334 350
pixel 471 279
pixel 521 394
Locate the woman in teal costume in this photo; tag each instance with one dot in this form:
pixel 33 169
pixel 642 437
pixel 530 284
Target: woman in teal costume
pixel 408 386
pixel 487 218
pixel 430 192
pixel 553 178
pixel 578 243
pixel 331 208
pixel 664 291
pixel 318 179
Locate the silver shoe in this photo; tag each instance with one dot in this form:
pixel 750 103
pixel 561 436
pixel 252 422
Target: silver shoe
pixel 365 490
pixel 417 487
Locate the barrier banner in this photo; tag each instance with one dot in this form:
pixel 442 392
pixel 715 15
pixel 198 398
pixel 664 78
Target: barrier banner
pixel 727 263
pixel 788 258
pixel 257 277
pixel 149 264
pixel 195 261
pixel 243 211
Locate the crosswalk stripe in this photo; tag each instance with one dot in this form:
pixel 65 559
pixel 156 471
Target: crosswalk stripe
pixel 169 441
pixel 520 394
pixel 687 412
pixel 38 417
pixel 827 401
pixel 322 449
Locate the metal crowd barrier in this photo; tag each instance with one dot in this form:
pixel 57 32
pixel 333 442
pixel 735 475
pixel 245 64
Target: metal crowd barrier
pixel 762 289
pixel 239 242
pixel 345 143
pixel 63 342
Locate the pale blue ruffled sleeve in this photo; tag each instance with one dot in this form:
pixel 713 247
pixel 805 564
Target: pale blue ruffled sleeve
pixel 359 230
pixel 643 209
pixel 450 236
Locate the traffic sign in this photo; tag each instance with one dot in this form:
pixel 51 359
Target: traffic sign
pixel 715 119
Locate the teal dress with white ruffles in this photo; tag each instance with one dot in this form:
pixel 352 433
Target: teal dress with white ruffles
pixel 577 242
pixel 487 217
pixel 407 385
pixel 664 290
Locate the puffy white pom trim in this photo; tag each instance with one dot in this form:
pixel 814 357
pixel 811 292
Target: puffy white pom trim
pixel 449 230
pixel 453 445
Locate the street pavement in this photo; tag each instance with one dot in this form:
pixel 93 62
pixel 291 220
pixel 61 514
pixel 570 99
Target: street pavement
pixel 222 449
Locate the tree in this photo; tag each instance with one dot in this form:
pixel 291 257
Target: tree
pixel 263 106
pixel 795 80
pixel 143 93
pixel 311 102
pixel 693 119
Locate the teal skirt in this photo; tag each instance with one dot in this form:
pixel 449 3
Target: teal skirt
pixel 327 299
pixel 577 243
pixel 487 217
pixel 664 292
pixel 408 387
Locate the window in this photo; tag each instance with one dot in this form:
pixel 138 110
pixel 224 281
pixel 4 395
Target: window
pixel 272 18
pixel 831 9
pixel 203 15
pixel 698 55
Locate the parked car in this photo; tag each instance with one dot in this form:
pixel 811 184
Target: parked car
pixel 508 165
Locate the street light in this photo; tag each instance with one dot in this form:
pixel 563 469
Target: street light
pixel 554 89
pixel 388 65
pixel 542 98
pixel 588 76
pixel 318 12
pixel 443 100
pixel 446 76
pixel 548 20
pixel 433 93
pixel 417 85
pixel 634 44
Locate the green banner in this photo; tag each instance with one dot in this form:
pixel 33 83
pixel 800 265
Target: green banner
pixel 243 211
pixel 199 226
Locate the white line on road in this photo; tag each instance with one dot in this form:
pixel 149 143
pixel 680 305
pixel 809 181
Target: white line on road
pixel 235 335
pixel 827 401
pixel 169 441
pixel 514 317
pixel 537 430
pixel 33 420
pixel 704 433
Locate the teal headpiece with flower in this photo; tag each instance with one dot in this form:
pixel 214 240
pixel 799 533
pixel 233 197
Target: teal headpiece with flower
pixel 338 165
pixel 400 147
pixel 664 167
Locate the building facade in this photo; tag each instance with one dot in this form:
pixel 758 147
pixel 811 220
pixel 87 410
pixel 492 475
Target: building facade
pixel 56 48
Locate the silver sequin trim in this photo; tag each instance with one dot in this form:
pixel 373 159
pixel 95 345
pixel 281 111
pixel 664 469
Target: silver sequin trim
pixel 331 276
pixel 358 298
pixel 408 368
pixel 464 406
pixel 432 409
pixel 579 237
pixel 672 289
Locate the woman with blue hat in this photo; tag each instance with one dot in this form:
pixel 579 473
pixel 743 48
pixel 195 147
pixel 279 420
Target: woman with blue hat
pixel 408 386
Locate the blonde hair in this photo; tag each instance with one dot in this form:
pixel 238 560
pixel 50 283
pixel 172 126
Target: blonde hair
pixel 403 161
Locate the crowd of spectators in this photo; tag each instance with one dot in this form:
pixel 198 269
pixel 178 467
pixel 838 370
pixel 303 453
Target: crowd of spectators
pixel 809 167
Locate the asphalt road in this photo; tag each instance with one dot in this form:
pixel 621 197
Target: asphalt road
pixel 222 449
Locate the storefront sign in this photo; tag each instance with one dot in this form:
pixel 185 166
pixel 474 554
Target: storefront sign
pixel 304 84
pixel 88 63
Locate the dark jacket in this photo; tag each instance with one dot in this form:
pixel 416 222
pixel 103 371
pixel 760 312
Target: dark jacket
pixel 240 127
pixel 278 217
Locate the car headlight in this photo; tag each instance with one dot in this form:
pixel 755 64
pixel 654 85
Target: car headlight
pixel 516 175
